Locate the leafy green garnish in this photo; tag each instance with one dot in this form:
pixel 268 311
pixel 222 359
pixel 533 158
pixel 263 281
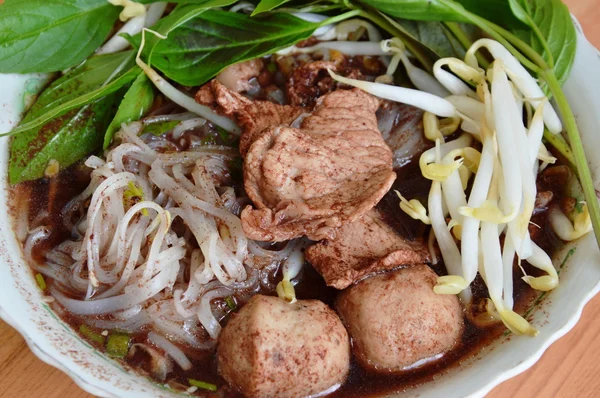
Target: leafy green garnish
pixel 226 137
pixel 268 5
pixel 550 70
pixel 203 385
pixel 230 303
pixel 204 45
pixel 51 35
pixel 65 139
pixel 133 191
pixel 436 37
pixel 135 104
pixel 551 32
pixel 201 41
pixel 118 345
pixel 440 10
pixel 88 333
pixel 179 16
pixel 496 11
pixel 160 128
pixel 200 2
pixel 417 10
pixel 92 74
pixel 132 194
pixel 96 78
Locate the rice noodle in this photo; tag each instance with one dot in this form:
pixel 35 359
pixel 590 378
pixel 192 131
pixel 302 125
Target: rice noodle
pixel 171 349
pixel 205 314
pixel 130 266
pixel 37 235
pixel 187 125
pixel 128 325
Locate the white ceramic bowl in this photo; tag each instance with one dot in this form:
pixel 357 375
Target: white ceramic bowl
pixel 55 343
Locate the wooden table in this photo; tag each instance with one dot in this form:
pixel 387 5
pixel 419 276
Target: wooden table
pixel 570 367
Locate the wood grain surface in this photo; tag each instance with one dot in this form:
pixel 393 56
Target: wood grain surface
pixel 570 367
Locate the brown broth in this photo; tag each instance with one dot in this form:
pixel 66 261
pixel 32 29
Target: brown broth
pixel 360 383
pixel 52 196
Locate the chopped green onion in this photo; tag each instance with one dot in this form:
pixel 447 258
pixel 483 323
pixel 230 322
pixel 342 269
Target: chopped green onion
pixel 230 303
pixel 208 140
pixel 118 345
pixel 40 281
pixel 160 128
pixel 134 191
pixel 202 384
pixel 272 67
pixel 88 333
pixel 227 138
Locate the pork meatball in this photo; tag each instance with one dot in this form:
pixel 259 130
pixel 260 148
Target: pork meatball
pixel 396 321
pixel 272 348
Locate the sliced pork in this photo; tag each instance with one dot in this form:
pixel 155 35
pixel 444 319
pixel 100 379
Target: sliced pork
pixel 362 248
pixel 272 348
pixel 397 322
pixel 310 180
pixel 252 116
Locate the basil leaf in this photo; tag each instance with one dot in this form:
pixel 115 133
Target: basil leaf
pixel 435 36
pixel 66 139
pixel 419 10
pixel 200 48
pixel 159 128
pixel 437 10
pixel 51 35
pixel 92 80
pixel 185 12
pixel 180 15
pixel 135 104
pixel 497 11
pixel 179 1
pixel 90 75
pixel 552 32
pixel 268 5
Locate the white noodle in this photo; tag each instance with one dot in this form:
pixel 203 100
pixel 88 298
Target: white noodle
pixel 171 349
pixel 205 314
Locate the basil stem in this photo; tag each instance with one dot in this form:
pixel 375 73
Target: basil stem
pixel 341 17
pixel 532 60
pixel 561 145
pixel 583 171
pixel 464 41
pixel 384 23
pixel 521 46
pixel 540 67
pixel 488 27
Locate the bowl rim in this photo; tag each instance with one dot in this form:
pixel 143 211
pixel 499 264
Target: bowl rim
pixel 491 384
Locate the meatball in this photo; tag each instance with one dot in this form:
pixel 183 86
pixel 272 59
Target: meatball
pixel 396 321
pixel 273 348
